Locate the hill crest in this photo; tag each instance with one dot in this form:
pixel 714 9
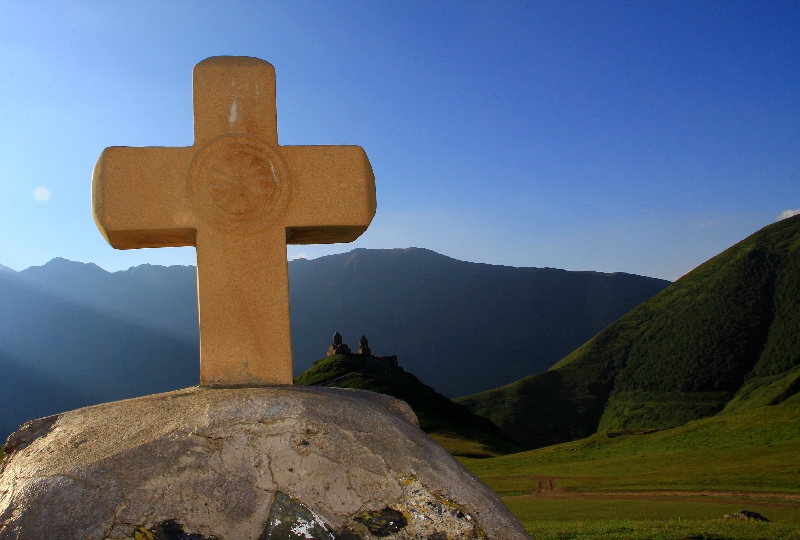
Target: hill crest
pixel 453 426
pixel 730 325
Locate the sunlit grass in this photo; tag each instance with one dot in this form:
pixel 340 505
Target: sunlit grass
pixel 752 450
pixel 662 508
pixel 623 529
pixel 675 483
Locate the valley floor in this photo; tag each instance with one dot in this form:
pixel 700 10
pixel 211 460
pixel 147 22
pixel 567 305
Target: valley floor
pixel 553 514
pixel 672 484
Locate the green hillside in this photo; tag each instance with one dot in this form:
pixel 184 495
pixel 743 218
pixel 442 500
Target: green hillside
pixel 639 486
pixel 725 335
pixel 748 450
pixel 453 426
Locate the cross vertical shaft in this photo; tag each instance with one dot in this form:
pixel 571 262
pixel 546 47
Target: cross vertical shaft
pixel 244 309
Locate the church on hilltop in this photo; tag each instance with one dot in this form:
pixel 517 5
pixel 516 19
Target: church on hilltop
pixel 364 351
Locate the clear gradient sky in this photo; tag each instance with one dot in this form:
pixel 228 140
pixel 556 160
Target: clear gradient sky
pixel 640 137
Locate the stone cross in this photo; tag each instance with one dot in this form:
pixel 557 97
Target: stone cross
pixel 239 197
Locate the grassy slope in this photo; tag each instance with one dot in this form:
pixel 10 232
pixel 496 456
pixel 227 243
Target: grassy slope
pixel 755 449
pixel 453 426
pixel 752 449
pixel 729 327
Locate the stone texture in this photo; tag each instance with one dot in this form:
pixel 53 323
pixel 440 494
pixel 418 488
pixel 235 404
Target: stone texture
pixel 249 463
pixel 239 197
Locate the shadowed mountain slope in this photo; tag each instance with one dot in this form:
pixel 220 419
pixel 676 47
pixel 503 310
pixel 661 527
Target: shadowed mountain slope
pixel 56 354
pixel 461 327
pixel 728 330
pixel 28 394
pixel 453 426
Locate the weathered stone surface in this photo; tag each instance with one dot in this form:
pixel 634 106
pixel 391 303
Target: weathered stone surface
pixel 252 463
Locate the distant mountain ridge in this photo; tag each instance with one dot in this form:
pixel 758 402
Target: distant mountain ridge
pixel 464 327
pixel 162 298
pixel 458 326
pixel 725 336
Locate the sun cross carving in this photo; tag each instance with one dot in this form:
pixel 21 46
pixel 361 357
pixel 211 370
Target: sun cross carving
pixel 239 197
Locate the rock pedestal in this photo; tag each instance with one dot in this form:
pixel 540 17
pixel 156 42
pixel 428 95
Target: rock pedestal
pixel 230 464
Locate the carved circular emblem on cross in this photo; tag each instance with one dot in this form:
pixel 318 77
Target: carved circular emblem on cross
pixel 239 182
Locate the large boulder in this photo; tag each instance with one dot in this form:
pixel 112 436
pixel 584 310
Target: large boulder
pixel 248 463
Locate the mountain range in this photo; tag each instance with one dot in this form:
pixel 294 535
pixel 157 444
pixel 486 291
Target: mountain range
pixel 459 326
pixel 72 334
pixel 723 338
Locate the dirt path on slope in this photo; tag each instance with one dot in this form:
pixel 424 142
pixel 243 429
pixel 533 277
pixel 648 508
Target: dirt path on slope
pixel 547 486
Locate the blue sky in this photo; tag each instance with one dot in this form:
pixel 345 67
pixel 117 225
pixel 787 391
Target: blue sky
pixel 640 137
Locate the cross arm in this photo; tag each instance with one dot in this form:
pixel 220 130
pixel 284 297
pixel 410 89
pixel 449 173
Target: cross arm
pixel 333 194
pixel 139 198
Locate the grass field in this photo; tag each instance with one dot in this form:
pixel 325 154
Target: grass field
pixel 618 529
pixel 670 484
